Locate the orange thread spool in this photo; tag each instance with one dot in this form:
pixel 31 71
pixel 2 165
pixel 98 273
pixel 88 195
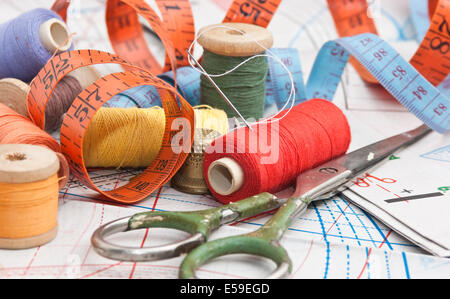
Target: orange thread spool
pixel 17 129
pixel 28 195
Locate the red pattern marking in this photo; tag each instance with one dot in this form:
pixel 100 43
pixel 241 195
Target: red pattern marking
pixel 370 251
pixel 365 264
pixel 304 260
pixel 100 270
pixel 146 233
pixel 31 262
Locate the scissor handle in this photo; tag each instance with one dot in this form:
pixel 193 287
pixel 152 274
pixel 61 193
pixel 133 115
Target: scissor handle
pixel 197 223
pixel 136 254
pixel 244 244
pixel 262 242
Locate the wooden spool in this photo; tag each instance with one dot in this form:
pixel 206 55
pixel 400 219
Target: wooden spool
pixel 13 93
pixel 28 196
pixel 235 39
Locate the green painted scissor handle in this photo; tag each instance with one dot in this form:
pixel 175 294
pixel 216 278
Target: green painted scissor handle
pixel 197 223
pixel 262 242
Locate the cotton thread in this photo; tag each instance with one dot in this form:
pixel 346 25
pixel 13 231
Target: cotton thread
pixel 311 134
pixel 226 49
pixel 13 93
pixel 132 137
pixel 28 195
pixel 245 87
pixel 17 129
pixel 22 52
pixel 233 28
pixel 27 209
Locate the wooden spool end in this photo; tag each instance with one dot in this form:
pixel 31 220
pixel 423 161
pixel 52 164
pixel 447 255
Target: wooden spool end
pixel 85 75
pixel 13 93
pixel 235 39
pixel 22 164
pixel 54 34
pixel 25 163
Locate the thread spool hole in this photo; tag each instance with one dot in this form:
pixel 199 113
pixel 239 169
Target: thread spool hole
pixel 235 32
pixel 16 157
pixel 223 180
pixel 225 176
pixel 59 34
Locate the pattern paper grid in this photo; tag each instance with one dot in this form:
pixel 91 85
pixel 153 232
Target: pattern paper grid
pixel 333 239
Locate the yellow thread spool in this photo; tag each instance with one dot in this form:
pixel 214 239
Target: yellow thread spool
pixel 28 195
pixel 131 137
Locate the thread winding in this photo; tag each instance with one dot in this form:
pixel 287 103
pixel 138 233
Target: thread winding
pixel 17 129
pixel 132 137
pixel 311 134
pixel 28 209
pixel 22 54
pixel 28 195
pixel 13 93
pixel 245 87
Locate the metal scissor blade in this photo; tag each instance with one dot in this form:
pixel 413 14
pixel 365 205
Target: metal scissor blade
pixel 329 178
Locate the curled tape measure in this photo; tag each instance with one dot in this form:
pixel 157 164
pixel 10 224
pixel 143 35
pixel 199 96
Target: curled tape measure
pixel 258 12
pixel 433 55
pixel 79 116
pixel 393 72
pixel 126 33
pixel 419 17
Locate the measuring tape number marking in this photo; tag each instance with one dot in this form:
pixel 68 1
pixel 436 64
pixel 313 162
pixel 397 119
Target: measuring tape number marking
pixel 80 114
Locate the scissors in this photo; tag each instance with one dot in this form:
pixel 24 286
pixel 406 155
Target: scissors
pixel 319 183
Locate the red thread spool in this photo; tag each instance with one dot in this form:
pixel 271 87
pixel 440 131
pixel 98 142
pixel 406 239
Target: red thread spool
pixel 312 133
pixel 17 129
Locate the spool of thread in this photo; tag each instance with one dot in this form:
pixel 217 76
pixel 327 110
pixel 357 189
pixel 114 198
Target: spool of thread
pixel 28 196
pixel 13 93
pixel 224 49
pixel 310 134
pixel 132 137
pixel 17 129
pixel 29 41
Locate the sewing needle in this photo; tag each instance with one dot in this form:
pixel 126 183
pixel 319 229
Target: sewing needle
pixel 219 91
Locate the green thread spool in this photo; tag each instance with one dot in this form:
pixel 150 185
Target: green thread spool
pixel 226 46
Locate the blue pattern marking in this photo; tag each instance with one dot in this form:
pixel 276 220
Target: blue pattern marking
pixel 383 236
pixel 327 258
pixel 348 220
pixel 405 262
pixel 441 154
pixel 388 270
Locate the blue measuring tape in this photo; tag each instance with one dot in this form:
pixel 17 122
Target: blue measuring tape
pixel 430 104
pixel 420 18
pixel 393 72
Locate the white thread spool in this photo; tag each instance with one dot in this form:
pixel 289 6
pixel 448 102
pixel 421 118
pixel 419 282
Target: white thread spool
pixel 54 35
pixel 225 176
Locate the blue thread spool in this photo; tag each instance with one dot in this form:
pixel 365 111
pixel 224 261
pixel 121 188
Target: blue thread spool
pixel 29 41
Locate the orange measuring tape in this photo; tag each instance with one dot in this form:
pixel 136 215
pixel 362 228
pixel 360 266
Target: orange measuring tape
pixel 80 114
pixel 176 32
pixel 257 12
pixel 127 37
pixel 431 58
